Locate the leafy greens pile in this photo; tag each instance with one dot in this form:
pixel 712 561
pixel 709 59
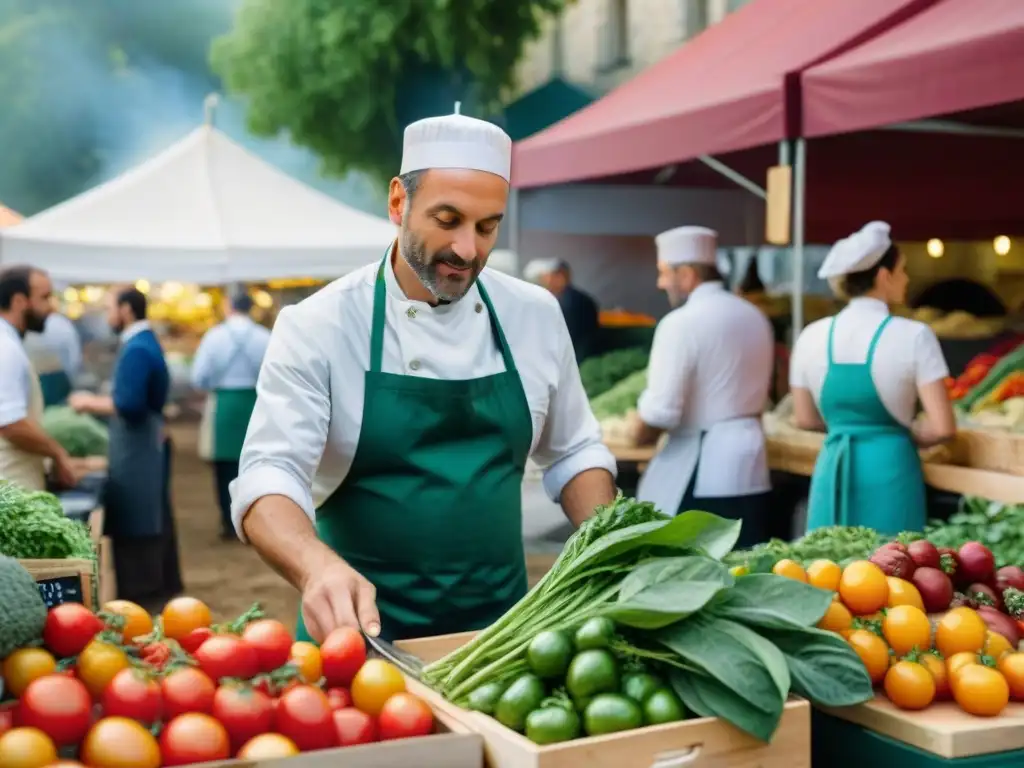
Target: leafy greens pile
pixel 79 434
pixel 733 648
pixel 601 373
pixel 33 526
pixel 621 398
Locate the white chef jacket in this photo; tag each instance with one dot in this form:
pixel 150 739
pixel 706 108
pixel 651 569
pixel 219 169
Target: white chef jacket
pixel 230 354
pixel 908 355
pixel 15 376
pixel 711 366
pixel 304 430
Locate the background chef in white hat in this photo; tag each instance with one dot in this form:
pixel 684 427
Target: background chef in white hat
pixel 396 409
pixel 860 375
pixel 708 381
pixel 707 386
pixel 579 309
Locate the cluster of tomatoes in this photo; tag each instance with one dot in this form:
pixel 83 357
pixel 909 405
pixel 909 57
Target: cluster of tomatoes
pixel 120 690
pixel 915 657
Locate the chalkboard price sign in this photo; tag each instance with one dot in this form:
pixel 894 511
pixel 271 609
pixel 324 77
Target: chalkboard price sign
pixel 61 589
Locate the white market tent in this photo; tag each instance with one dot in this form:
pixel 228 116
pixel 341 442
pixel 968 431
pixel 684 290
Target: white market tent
pixel 203 211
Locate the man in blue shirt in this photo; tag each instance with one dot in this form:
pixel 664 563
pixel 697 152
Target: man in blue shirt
pixel 139 521
pixel 579 309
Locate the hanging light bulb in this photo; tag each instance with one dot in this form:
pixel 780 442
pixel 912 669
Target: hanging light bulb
pixel 142 286
pixel 935 248
pixel 1001 245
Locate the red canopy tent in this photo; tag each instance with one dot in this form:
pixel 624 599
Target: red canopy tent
pixel 731 88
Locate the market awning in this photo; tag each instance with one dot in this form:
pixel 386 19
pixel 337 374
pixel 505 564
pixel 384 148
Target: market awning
pixel 726 90
pixel 954 56
pixel 544 106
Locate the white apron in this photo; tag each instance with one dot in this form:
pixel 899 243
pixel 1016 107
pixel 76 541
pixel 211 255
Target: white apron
pixel 26 469
pixel 670 472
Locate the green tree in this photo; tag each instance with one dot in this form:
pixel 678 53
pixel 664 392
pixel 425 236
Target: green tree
pixel 344 77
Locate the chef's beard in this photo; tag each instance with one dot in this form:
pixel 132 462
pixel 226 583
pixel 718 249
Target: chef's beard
pixel 33 322
pixel 676 297
pixel 447 289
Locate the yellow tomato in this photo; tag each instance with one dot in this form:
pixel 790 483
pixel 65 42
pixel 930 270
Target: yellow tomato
pixel 98 664
pixel 183 614
pixel 739 570
pixel 961 629
pixel 268 746
pixel 1012 667
pixel 306 657
pixel 910 685
pixel 863 587
pixel 790 569
pixel 137 621
pixel 836 619
pixel 824 574
pixel 996 645
pixel 375 683
pixel 981 691
pixel 872 651
pixel 902 592
pixel 25 665
pixel 27 748
pixel 907 628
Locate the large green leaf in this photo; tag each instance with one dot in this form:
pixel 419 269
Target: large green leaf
pixel 824 668
pixel 772 658
pixel 767 600
pixel 660 592
pixel 710 698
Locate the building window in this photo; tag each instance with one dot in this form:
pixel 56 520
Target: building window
pixel 615 35
pixel 695 17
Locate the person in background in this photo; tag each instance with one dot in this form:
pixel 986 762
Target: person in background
pixel 579 308
pixel 60 342
pixel 138 517
pixel 25 296
pixel 707 386
pixel 859 376
pixel 226 366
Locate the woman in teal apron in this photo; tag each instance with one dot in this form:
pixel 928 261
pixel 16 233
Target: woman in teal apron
pixel 430 510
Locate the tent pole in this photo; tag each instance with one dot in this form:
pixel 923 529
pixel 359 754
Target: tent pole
pixel 959 129
pixel 799 204
pixel 733 176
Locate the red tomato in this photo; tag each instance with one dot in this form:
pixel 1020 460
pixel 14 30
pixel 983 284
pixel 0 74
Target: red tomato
pixel 69 628
pixel 339 698
pixel 187 690
pixel 191 642
pixel 193 738
pixel 354 727
pixel 272 641
pixel 156 654
pixel 59 706
pixel 342 654
pixel 228 656
pixel 303 714
pixel 8 711
pixel 403 716
pixel 133 695
pixel 244 712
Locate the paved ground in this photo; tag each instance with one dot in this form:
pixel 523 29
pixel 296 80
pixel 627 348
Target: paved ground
pixel 230 577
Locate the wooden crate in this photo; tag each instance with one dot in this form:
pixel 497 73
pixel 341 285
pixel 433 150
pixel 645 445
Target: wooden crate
pixel 992 449
pixel 59 574
pixel 943 729
pixel 107 587
pixel 453 745
pixel 697 743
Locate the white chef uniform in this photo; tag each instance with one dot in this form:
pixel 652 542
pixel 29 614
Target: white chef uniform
pixel 708 381
pixel 20 398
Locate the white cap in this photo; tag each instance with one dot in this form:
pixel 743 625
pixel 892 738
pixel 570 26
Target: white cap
pixel 860 251
pixel 537 268
pixel 457 141
pixel 502 260
pixel 688 245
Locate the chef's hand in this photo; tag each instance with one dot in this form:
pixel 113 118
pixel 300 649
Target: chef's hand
pixel 80 401
pixel 64 473
pixel 338 596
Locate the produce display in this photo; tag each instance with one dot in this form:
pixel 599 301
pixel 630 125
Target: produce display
pixel 123 689
pixel 639 623
pixel 33 525
pixel 929 623
pixel 79 434
pixel 957 324
pixel 990 391
pixel 601 373
pixel 621 398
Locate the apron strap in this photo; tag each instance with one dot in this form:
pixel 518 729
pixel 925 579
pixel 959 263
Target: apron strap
pixel 238 351
pixel 831 331
pixel 874 341
pixel 380 317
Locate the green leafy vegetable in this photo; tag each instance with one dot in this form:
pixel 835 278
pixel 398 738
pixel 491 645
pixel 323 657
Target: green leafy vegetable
pixel 621 398
pixel 601 373
pixel 33 526
pixel 764 600
pixel 79 434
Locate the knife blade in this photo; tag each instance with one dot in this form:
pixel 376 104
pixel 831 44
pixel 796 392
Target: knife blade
pixel 409 664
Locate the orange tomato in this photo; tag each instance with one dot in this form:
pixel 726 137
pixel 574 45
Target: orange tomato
pixel 863 587
pixel 25 665
pixel 98 664
pixel 117 742
pixel 183 614
pixel 267 746
pixel 910 685
pixel 958 661
pixel 938 671
pixel 1012 667
pixel 961 629
pixel 137 621
pixel 996 645
pixel 906 628
pixel 27 748
pixel 836 619
pixel 375 683
pixel 902 592
pixel 790 569
pixel 306 657
pixel 981 691
pixel 824 574
pixel 873 651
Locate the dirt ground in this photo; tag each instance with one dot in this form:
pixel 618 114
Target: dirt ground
pixel 229 576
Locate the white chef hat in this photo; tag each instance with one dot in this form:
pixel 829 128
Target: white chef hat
pixel 688 245
pixel 457 141
pixel 537 268
pixel 861 250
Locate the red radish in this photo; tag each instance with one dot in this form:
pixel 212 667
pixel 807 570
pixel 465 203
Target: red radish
pixel 1001 624
pixel 1010 576
pixel 983 594
pixel 899 547
pixel 935 587
pixel 894 562
pixel 924 554
pixel 949 562
pixel 976 563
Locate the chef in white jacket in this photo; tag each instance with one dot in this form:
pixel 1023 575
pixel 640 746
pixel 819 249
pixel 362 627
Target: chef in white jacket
pixel 707 386
pixel 397 407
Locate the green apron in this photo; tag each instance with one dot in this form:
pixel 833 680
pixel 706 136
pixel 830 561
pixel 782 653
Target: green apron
pixel 430 510
pixel 868 472
pixel 232 409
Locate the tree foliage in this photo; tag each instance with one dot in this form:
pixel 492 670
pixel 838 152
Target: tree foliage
pixel 343 77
